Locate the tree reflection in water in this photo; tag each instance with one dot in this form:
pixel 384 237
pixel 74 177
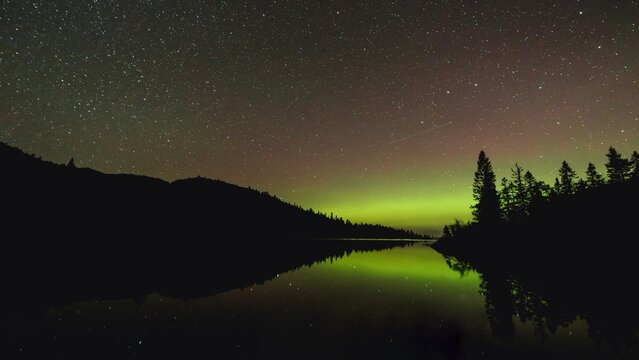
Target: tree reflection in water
pixel 553 301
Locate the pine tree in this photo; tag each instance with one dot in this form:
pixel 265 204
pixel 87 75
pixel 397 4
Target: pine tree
pixel 447 233
pixel 556 188
pixel 534 191
pixel 593 178
pixel 486 210
pixel 71 163
pixel 581 185
pixel 634 163
pixel 617 166
pixel 520 196
pixel 506 199
pixel 566 179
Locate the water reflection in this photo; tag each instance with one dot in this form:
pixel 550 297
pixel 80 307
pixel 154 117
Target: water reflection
pixel 550 301
pixel 360 300
pixel 227 266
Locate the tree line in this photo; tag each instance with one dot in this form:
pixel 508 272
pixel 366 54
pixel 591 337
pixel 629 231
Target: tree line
pixel 522 194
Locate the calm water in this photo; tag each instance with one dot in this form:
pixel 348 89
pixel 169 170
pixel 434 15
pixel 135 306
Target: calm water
pixel 397 303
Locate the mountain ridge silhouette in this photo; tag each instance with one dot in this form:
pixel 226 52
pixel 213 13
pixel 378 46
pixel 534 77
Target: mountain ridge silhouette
pixel 90 201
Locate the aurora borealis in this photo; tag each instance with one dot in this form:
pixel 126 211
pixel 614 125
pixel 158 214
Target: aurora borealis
pixel 372 110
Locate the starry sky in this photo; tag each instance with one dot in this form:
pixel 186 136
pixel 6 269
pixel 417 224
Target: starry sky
pixel 373 110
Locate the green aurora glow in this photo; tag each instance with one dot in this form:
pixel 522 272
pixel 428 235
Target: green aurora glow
pixel 425 200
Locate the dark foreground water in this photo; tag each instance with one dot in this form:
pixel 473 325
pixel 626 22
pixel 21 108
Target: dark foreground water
pixel 399 303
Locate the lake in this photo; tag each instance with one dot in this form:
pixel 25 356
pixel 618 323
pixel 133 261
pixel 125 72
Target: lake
pixel 395 303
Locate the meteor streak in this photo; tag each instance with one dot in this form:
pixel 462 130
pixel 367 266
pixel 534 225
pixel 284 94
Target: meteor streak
pixel 417 133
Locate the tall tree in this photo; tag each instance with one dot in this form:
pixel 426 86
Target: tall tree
pixel 556 188
pixel 593 178
pixel 447 234
pixel 520 195
pixel 581 185
pixel 535 190
pixel 506 200
pixel 486 210
pixel 618 167
pixel 634 163
pixel 567 177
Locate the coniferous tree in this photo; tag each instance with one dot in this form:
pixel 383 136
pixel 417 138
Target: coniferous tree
pixel 447 233
pixel 634 163
pixel 71 163
pixel 593 178
pixel 566 179
pixel 486 210
pixel 520 194
pixel 617 166
pixel 581 185
pixel 506 200
pixel 535 191
pixel 546 190
pixel 556 188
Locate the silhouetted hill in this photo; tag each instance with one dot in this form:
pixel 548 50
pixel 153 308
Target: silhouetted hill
pixel 42 199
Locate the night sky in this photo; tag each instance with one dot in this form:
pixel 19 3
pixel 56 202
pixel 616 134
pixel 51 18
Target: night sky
pixel 373 110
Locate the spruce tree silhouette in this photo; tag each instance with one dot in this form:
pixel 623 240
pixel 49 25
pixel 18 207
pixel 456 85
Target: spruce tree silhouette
pixel 446 232
pixel 618 167
pixel 567 177
pixel 593 178
pixel 71 163
pixel 486 210
pixel 535 191
pixel 506 200
pixel 524 204
pixel 520 196
pixel 520 209
pixel 556 188
pixel 634 163
pixel 581 185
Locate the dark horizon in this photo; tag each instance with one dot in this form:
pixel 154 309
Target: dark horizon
pixel 143 207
